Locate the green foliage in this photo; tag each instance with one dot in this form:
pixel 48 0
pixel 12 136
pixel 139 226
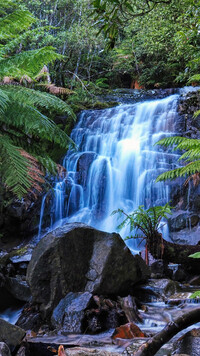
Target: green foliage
pixel 195 294
pixel 27 63
pixel 24 126
pixel 160 46
pixel 195 255
pixel 13 167
pixel 145 223
pixel 112 13
pixel 25 131
pixel 15 62
pixel 14 23
pixel 191 157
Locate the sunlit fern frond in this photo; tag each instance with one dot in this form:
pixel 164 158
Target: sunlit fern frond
pixel 27 62
pixel 14 23
pixel 191 154
pixel 189 169
pixel 181 143
pixel 194 79
pixel 196 114
pixel 39 99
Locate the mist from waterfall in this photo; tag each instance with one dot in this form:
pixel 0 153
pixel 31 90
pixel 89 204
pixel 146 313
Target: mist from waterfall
pixel 115 165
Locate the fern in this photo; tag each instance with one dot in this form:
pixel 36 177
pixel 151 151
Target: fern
pixel 145 221
pixel 196 114
pixel 14 168
pixel 194 78
pixel 14 23
pixel 4 100
pixel 25 131
pixel 28 62
pixel 39 99
pixel 191 157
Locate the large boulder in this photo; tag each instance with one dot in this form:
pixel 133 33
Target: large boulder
pixel 10 334
pixel 78 258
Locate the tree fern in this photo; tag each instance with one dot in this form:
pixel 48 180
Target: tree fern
pixel 144 223
pixel 191 157
pixel 25 131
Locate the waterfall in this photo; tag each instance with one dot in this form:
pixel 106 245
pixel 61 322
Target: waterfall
pixel 116 164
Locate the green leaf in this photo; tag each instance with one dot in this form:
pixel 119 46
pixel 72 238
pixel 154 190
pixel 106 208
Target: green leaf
pixel 195 295
pixel 195 255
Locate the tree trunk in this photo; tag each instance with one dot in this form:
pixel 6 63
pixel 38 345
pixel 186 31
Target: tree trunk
pixel 155 343
pixel 174 253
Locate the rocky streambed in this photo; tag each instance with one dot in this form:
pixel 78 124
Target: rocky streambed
pixel 81 289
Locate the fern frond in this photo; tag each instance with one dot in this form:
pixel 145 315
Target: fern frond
pixel 144 221
pixel 192 154
pixel 194 78
pixel 15 23
pixel 196 114
pixel 32 122
pixel 174 173
pixel 20 39
pixel 181 143
pixel 40 99
pixel 189 169
pixel 48 165
pixel 195 179
pixel 4 101
pixel 14 168
pixel 27 62
pixel 19 170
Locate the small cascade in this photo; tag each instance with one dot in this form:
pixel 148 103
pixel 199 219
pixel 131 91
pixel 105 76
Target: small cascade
pixel 116 164
pixel 11 315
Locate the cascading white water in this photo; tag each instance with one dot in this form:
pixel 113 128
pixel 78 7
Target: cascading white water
pixel 116 164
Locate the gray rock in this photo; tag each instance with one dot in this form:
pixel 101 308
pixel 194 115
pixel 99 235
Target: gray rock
pixel 181 220
pixel 78 258
pixel 18 288
pixel 69 313
pixel 10 334
pixel 165 287
pixel 4 349
pixel 86 351
pixel 188 343
pixel 83 165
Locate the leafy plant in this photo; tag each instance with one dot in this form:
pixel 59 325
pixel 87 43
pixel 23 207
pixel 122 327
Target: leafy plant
pixel 191 157
pixel 195 255
pixel 144 223
pixel 26 132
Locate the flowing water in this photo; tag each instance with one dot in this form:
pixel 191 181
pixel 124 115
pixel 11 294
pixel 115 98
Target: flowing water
pixel 115 165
